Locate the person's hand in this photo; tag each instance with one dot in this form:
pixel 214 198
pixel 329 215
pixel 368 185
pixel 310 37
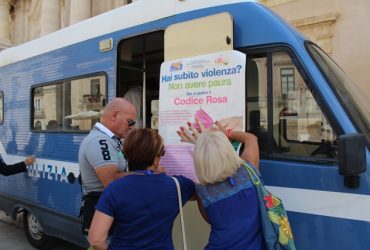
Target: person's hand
pixel 29 160
pixel 235 123
pixel 218 126
pixel 191 134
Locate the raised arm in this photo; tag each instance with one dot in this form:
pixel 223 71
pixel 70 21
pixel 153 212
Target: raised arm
pixel 251 151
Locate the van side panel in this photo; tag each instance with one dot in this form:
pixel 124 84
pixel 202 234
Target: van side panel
pixel 45 189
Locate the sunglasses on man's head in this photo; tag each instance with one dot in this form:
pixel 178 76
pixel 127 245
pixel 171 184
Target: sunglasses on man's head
pixel 131 123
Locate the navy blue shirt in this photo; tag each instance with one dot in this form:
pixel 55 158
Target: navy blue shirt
pixel 232 209
pixel 144 207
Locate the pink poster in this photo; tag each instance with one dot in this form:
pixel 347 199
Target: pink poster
pixel 209 88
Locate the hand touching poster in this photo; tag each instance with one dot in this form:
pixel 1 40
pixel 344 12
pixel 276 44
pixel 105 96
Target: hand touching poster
pixel 208 88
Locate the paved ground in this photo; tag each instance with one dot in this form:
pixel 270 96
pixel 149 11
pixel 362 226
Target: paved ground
pixel 12 236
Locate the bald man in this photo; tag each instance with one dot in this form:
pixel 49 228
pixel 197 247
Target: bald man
pixel 100 156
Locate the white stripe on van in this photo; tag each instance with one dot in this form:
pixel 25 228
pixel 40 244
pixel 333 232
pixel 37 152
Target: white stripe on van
pixel 316 202
pixel 333 204
pixel 42 164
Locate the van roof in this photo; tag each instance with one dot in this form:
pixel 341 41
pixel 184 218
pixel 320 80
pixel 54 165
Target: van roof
pixel 136 13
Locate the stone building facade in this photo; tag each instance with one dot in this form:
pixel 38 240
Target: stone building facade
pixel 340 27
pixel 25 20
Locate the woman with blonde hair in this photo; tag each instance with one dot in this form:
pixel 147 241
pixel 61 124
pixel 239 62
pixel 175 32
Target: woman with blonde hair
pixel 142 205
pixel 226 197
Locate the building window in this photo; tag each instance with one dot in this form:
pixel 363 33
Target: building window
pixel 95 88
pixel 37 104
pixel 287 80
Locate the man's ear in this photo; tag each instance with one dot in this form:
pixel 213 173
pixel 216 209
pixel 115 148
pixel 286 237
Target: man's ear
pixel 114 115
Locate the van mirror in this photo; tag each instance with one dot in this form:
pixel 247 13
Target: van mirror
pixel 352 158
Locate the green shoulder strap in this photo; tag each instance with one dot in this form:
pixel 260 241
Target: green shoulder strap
pixel 252 175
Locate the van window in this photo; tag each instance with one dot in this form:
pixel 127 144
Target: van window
pixel 282 112
pixel 299 126
pixel 256 98
pixel 355 101
pixel 68 105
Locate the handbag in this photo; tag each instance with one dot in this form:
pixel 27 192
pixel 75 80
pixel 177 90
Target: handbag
pixel 181 214
pixel 274 220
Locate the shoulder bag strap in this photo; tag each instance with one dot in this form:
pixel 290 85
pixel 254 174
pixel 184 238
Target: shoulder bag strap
pixel 252 174
pixel 181 215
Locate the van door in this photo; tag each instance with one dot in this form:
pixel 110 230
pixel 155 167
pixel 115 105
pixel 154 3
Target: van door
pixel 199 36
pixel 139 60
pixel 299 151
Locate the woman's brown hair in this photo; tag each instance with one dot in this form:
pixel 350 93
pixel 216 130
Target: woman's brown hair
pixel 141 147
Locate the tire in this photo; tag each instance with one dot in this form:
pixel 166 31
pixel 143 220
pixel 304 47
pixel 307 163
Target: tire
pixel 35 233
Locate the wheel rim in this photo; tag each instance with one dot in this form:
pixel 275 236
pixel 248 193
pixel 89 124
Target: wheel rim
pixel 34 227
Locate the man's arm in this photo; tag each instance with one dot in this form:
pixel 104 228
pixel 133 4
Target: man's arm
pixel 109 173
pixel 16 168
pixel 101 154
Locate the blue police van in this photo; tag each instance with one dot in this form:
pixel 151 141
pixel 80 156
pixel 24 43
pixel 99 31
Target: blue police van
pixel 311 121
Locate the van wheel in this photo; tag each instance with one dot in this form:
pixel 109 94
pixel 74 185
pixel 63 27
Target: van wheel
pixel 34 232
